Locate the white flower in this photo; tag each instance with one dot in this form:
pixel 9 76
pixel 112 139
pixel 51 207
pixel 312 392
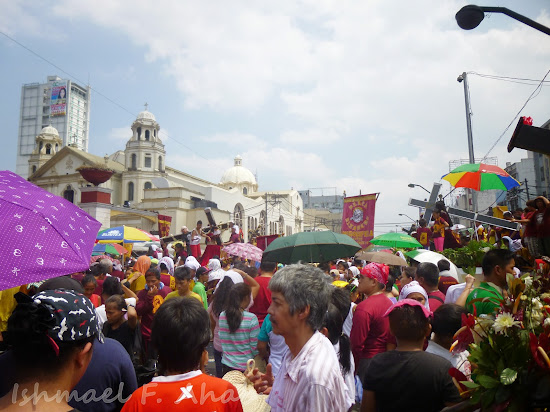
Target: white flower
pixel 528 280
pixel 546 322
pixel 486 249
pixel 523 297
pixel 503 322
pixel 537 304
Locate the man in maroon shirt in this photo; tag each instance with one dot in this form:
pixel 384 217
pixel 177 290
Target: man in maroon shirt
pixel 427 275
pixel 370 332
pixel 149 300
pixel 263 299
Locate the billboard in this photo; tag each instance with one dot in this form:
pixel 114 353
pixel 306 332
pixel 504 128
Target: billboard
pixel 58 99
pixel 358 218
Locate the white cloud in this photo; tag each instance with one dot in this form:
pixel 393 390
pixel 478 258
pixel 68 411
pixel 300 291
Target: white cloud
pixel 364 94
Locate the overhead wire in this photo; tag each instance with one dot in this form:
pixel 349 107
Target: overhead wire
pixel 74 78
pixel 534 94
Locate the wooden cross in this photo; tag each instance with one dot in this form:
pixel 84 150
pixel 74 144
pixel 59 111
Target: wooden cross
pixel 463 214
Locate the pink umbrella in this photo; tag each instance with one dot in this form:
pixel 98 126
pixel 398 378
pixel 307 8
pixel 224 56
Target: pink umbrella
pixel 44 235
pixel 244 251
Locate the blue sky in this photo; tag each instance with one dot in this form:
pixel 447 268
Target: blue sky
pixel 352 95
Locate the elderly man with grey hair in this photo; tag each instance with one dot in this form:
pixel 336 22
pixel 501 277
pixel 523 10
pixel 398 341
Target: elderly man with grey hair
pixel 309 378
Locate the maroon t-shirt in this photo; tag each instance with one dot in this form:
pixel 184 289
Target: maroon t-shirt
pixel 424 235
pixel 436 299
pixel 444 283
pixel 263 300
pixel 370 332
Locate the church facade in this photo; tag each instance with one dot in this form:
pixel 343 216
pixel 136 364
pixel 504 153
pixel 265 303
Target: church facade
pixel 143 186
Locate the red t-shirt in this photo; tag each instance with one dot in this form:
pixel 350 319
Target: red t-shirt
pixel 370 331
pixel 436 299
pixel 424 235
pixel 263 300
pixel 199 392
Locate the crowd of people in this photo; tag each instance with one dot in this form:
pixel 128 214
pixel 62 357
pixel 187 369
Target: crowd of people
pixel 335 336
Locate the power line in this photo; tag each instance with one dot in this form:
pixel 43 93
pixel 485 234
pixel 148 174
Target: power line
pixel 96 91
pixel 534 94
pixel 518 80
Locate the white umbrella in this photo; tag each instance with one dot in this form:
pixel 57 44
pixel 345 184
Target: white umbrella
pixel 423 255
pixel 458 227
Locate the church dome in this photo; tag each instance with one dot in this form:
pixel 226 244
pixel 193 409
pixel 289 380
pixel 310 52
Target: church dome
pixel 238 174
pixel 146 115
pixel 50 130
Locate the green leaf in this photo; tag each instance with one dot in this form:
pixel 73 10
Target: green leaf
pixel 469 384
pixel 500 365
pixel 487 381
pixel 508 376
pixel 487 399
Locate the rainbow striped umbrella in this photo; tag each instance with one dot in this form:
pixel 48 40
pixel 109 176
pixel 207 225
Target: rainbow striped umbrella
pixel 480 176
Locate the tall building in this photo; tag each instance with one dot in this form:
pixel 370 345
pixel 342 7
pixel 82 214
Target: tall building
pixel 60 103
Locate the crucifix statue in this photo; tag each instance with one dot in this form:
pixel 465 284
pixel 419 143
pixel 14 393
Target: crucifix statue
pixel 463 214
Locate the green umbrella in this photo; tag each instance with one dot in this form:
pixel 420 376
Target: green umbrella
pixel 396 240
pixel 311 247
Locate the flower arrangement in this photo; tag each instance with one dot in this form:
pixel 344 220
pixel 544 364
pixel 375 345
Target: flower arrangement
pixel 509 353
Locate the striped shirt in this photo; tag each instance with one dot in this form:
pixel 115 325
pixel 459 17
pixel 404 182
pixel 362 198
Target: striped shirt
pixel 311 381
pixel 240 346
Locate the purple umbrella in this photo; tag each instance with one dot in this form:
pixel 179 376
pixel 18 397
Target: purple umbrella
pixel 43 235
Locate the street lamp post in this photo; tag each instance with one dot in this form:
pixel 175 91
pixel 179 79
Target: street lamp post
pixel 414 184
pixel 469 17
pixel 403 214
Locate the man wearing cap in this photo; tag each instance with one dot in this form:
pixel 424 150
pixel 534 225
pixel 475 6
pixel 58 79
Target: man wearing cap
pixel 370 332
pixel 422 378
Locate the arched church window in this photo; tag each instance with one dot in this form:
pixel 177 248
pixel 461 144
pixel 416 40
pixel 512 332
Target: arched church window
pixel 48 149
pixel 139 133
pixel 245 191
pixel 147 185
pixel 160 164
pixel 263 222
pixel 34 169
pixel 155 132
pixel 68 194
pixel 134 161
pixel 238 213
pixel 131 191
pixel 147 135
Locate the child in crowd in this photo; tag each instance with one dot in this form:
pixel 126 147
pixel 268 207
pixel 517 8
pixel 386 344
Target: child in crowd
pixel 89 284
pixel 117 327
pixel 200 284
pixel 238 330
pixel 423 234
pixel 438 230
pixel 332 329
pixel 422 378
pixel 183 277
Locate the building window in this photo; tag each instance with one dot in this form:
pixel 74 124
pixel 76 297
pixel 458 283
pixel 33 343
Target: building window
pixel 147 185
pixel 245 191
pixel 155 132
pixel 48 149
pixel 281 223
pixel 160 164
pixel 263 222
pixel 139 133
pixel 147 135
pixel 238 213
pixel 68 194
pixel 34 169
pixel 147 161
pixel 131 191
pixel 134 161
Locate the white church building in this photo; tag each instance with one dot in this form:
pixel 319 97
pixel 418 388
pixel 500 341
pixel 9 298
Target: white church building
pixel 143 186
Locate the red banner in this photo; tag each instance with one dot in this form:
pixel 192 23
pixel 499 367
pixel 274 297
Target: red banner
pixel 164 225
pixel 358 218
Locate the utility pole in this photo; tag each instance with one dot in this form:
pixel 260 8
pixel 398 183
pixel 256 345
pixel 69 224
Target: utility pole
pixel 464 78
pixel 265 222
pixel 527 189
